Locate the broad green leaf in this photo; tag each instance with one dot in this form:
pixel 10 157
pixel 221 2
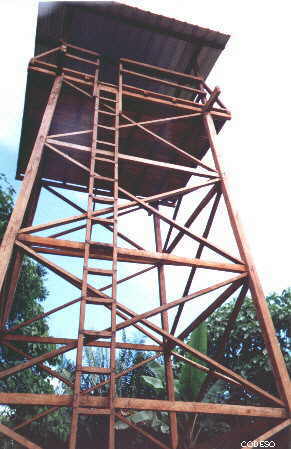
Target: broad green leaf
pixel 191 378
pixel 154 382
pixel 120 425
pixel 157 369
pixel 142 416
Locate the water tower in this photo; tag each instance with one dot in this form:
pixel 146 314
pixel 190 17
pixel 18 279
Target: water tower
pixel 117 108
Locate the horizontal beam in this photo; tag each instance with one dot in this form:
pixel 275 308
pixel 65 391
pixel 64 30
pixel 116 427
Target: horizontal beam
pixel 159 164
pixel 173 102
pixel 171 194
pixel 162 120
pixel 142 404
pixel 177 104
pixel 66 341
pixel 163 81
pixel 197 407
pixel 103 251
pixel 157 68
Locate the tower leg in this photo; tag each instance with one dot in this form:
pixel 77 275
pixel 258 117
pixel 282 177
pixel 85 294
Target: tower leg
pixel 165 325
pixel 16 264
pixel 28 182
pixel 264 317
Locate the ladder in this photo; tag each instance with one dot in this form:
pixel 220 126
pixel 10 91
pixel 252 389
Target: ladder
pixel 106 104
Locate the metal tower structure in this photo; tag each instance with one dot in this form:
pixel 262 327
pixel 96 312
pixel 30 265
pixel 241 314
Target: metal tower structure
pixel 131 136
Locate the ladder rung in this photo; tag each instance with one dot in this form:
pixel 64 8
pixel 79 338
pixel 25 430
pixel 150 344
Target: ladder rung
pixel 103 220
pixel 108 99
pixel 103 159
pixel 102 199
pixel 106 143
pixel 105 152
pixel 93 411
pixel 107 87
pixel 111 128
pixel 101 334
pixel 98 300
pixel 106 112
pixel 99 271
pixel 95 370
pixel 103 178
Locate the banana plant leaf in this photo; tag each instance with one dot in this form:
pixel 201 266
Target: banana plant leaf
pixel 191 378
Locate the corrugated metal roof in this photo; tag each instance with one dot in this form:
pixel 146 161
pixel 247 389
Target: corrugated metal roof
pixel 118 31
pixel 121 31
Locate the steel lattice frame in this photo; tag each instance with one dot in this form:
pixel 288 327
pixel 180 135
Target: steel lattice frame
pixel 21 238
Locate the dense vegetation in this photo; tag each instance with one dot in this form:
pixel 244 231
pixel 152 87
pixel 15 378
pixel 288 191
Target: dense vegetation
pixel 29 298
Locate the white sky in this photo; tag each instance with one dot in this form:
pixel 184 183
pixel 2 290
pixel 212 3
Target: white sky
pixel 254 75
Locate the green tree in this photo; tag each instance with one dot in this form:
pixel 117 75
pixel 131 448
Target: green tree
pixel 30 294
pixel 188 381
pixel 245 352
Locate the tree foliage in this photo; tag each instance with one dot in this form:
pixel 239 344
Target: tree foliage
pixel 245 351
pixel 191 378
pixel 29 297
pixel 188 381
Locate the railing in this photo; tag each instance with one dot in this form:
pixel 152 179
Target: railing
pixel 82 66
pixel 167 84
pixel 77 63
